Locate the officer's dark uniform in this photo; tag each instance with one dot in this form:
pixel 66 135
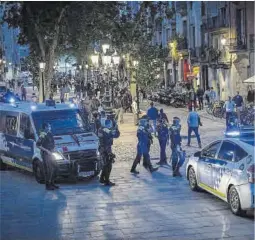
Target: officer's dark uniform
pixel 106 133
pixel 143 146
pixel 163 137
pixel 175 137
pixel 46 141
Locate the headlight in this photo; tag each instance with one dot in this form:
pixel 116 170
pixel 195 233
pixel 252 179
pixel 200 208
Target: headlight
pixel 57 156
pixel 12 100
pixel 98 153
pixel 233 134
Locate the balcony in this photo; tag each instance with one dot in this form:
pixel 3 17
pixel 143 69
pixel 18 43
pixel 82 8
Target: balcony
pixel 215 24
pixel 181 8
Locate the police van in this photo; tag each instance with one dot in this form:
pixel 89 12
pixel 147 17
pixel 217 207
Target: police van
pixel 76 145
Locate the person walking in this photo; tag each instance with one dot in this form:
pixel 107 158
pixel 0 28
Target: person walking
pixel 212 95
pixel 23 93
pixel 192 98
pixel 200 96
pixel 207 96
pixel 62 94
pixel 143 135
pixel 163 136
pixel 152 113
pixel 135 111
pixel 238 99
pixel 118 109
pixel 193 125
pixel 229 107
pixel 47 145
pixel 177 158
pixel 162 115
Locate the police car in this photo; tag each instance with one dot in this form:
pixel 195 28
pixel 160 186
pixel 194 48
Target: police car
pixel 76 144
pixel 225 168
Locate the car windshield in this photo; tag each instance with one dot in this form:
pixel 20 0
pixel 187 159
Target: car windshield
pixel 63 122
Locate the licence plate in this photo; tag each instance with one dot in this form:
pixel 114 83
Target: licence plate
pixel 86 174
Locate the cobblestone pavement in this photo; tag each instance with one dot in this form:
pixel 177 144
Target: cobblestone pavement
pixel 149 206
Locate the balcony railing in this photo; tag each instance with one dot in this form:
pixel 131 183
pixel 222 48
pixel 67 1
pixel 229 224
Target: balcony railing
pixel 215 23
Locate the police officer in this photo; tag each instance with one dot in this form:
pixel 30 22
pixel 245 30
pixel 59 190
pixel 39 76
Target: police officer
pixel 143 135
pixel 106 133
pixel 175 137
pixel 163 136
pixel 46 144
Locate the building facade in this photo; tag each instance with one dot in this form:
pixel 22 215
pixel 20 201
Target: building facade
pixel 215 44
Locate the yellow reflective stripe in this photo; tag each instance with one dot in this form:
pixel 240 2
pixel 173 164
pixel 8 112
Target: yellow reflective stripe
pixel 220 194
pixel 18 166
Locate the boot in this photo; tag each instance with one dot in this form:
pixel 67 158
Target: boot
pixel 109 183
pixel 55 186
pixel 133 169
pixel 199 145
pixel 178 174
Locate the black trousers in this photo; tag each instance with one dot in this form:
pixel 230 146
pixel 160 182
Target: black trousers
pixel 107 168
pixel 201 103
pixel 50 169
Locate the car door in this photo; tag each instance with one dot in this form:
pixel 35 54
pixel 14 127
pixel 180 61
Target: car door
pixel 26 142
pixel 205 162
pixel 226 165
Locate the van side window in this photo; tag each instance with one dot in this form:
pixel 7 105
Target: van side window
pixel 11 125
pixel 25 125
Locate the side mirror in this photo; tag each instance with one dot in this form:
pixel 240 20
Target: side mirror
pixel 197 154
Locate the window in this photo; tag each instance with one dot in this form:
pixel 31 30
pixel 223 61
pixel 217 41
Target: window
pixel 227 151
pixel 240 153
pixel 252 40
pixel 11 125
pixel 25 124
pixel 211 151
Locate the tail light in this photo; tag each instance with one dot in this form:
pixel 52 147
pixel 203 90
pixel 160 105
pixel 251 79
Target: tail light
pixel 250 173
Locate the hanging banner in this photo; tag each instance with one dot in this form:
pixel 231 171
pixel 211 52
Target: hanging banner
pixel 186 69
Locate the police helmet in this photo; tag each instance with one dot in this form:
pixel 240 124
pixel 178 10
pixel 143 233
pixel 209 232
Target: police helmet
pixel 143 122
pixel 176 120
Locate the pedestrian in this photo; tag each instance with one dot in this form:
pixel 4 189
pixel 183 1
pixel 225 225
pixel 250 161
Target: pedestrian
pixel 23 93
pixel 62 94
pixel 135 111
pixel 47 145
pixel 200 96
pixel 238 99
pixel 95 103
pixel 207 96
pixel 152 113
pixel 106 134
pixel 34 98
pixel 162 115
pixel 193 125
pixel 143 135
pixel 212 95
pixel 229 107
pixel 118 109
pixel 192 98
pixel 163 136
pixel 177 157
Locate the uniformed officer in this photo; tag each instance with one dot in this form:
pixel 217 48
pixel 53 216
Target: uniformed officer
pixel 163 136
pixel 46 144
pixel 106 133
pixel 175 137
pixel 143 135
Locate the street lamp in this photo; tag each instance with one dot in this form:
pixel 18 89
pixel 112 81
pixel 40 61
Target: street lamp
pixel 41 83
pixel 135 64
pixel 106 60
pixel 80 66
pixel 94 59
pixel 223 41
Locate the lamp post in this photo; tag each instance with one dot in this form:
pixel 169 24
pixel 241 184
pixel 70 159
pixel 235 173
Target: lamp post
pixel 135 64
pixel 41 83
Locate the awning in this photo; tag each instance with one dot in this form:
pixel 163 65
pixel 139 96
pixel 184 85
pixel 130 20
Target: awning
pixel 250 80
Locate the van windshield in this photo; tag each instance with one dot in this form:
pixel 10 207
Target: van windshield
pixel 63 122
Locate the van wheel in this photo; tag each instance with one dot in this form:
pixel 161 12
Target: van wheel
pixel 234 202
pixel 3 166
pixel 38 171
